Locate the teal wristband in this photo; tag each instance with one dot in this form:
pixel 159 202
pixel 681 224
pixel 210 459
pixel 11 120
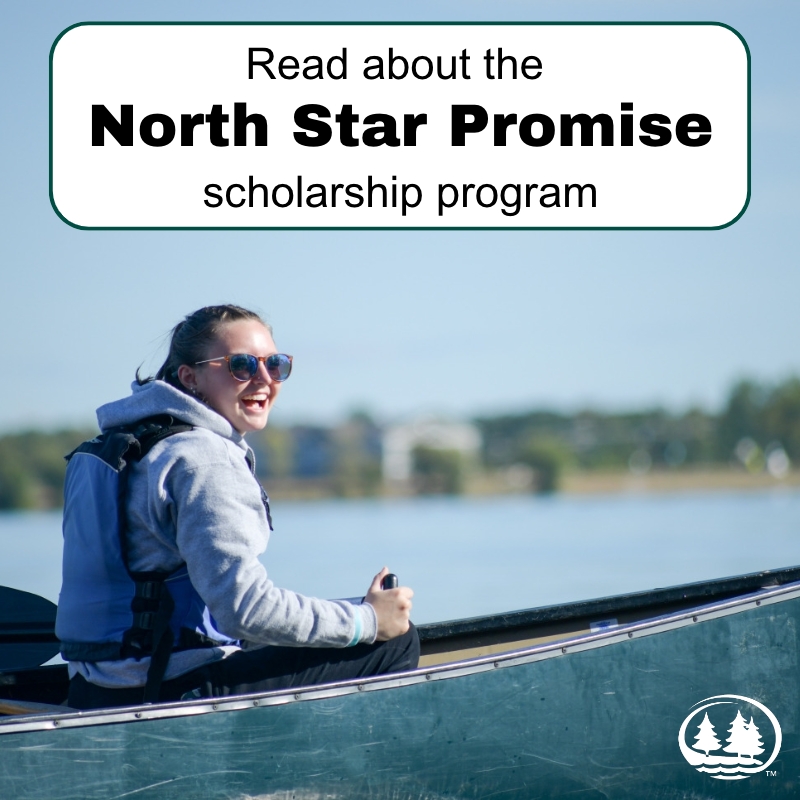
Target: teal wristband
pixel 359 627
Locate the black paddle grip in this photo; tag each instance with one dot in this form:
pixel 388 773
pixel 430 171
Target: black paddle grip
pixel 390 581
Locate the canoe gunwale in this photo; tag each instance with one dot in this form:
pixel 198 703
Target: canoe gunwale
pixel 721 588
pixel 615 635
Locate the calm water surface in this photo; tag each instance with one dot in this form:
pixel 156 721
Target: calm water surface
pixel 466 556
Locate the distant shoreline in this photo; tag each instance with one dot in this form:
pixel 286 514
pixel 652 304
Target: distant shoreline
pixel 664 481
pixel 570 483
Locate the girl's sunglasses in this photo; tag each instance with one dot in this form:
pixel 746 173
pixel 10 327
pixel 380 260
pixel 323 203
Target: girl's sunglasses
pixel 243 366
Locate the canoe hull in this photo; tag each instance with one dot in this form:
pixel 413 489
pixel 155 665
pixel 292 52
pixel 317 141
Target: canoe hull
pixel 596 717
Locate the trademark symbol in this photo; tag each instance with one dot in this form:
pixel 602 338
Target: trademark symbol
pixel 771 773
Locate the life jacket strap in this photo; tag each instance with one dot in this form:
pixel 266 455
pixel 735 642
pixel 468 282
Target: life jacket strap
pixel 163 639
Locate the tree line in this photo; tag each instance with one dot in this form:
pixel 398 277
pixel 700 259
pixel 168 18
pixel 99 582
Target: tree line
pixel 757 429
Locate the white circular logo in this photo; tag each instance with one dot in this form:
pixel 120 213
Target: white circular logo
pixel 732 743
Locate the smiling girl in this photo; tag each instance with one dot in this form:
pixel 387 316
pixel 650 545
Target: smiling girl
pixel 196 521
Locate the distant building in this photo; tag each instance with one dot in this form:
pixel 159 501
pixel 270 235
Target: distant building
pixel 399 442
pixel 313 451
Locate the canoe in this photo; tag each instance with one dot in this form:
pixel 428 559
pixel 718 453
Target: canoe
pixel 685 692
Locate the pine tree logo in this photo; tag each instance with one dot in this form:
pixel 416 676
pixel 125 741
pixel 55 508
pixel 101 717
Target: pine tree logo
pixel 706 740
pixel 744 742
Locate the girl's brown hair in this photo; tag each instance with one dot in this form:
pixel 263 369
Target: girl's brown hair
pixel 193 336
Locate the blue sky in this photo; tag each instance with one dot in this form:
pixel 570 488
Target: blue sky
pixel 400 323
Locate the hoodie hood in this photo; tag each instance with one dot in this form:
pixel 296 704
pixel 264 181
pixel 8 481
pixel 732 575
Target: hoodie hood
pixel 158 397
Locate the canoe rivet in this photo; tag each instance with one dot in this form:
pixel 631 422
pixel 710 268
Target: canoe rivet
pixel 255 702
pixel 563 649
pixel 138 715
pixel 630 635
pixel 297 696
pixel 55 723
pixel 360 689
pixel 758 602
pixel 694 619
pixel 427 676
pixel 215 707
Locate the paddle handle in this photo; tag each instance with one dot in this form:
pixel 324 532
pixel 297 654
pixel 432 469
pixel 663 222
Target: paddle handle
pixel 390 581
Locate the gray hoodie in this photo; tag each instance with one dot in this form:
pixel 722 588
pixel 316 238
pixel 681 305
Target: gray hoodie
pixel 194 499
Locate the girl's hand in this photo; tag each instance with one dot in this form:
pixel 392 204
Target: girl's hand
pixel 392 607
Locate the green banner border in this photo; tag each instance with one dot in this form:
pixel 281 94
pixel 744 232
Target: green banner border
pixel 402 228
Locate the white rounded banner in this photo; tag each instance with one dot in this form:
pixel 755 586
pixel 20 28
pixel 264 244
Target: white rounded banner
pixel 209 125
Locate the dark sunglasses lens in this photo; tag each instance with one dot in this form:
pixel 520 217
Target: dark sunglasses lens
pixel 243 366
pixel 279 367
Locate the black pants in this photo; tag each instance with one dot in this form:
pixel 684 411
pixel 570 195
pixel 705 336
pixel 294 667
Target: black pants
pixel 264 670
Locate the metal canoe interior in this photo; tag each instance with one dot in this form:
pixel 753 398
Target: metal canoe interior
pixel 458 640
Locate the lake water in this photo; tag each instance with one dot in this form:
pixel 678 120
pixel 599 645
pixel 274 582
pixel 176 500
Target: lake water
pixel 467 556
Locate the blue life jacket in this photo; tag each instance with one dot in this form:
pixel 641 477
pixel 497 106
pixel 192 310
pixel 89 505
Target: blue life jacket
pixel 106 611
